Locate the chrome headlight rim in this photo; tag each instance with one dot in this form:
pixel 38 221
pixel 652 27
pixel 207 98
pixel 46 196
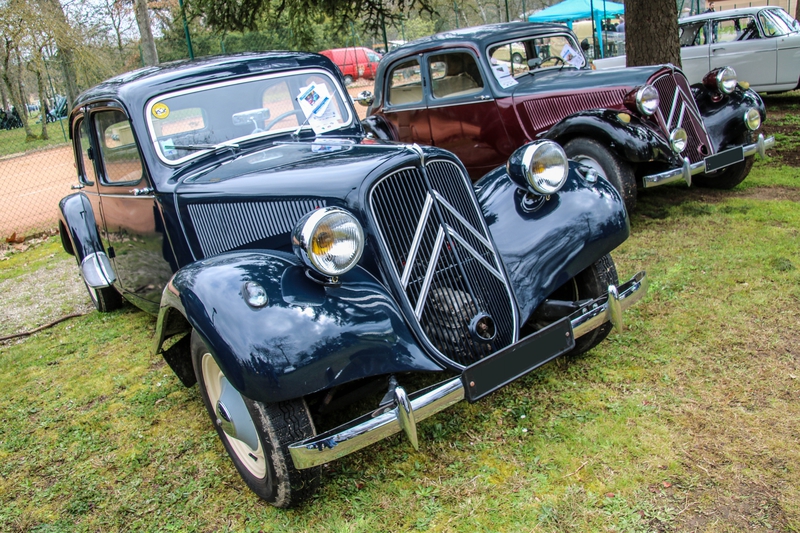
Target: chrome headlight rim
pixel 726 80
pixel 306 230
pixel 752 119
pixel 533 154
pixel 678 140
pixel 647 100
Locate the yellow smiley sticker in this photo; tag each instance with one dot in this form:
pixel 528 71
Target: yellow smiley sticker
pixel 160 111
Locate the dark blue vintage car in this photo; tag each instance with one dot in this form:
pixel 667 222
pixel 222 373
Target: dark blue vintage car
pixel 296 264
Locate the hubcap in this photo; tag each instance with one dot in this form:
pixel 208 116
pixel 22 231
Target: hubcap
pixel 591 163
pixel 235 423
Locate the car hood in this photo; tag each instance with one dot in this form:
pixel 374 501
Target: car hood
pixel 554 81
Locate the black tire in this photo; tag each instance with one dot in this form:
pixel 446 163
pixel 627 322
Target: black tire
pixel 590 283
pixel 277 425
pixel 348 80
pixel 593 154
pixel 106 299
pixel 516 58
pixel 728 177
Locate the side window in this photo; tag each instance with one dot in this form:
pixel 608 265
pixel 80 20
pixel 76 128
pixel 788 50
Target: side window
pixel 120 157
pixel 693 34
pixel 728 30
pixel 454 74
pixel 405 83
pixel 86 167
pixel 509 59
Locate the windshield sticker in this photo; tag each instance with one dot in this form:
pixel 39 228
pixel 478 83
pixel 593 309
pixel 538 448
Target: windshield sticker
pixel 160 111
pixel 501 72
pixel 572 57
pixel 315 102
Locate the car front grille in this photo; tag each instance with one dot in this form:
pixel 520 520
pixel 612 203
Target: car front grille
pixel 677 108
pixel 444 263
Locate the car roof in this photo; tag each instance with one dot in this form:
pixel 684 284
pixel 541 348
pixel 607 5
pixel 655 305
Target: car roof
pixel 136 87
pixel 728 13
pixel 480 35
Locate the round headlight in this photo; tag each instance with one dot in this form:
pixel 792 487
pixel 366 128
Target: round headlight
pixel 726 80
pixel 647 99
pixel 678 140
pixel 545 166
pixel 330 240
pixel 752 119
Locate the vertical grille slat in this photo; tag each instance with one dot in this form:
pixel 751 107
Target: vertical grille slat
pixel 544 112
pixel 459 286
pixel 221 227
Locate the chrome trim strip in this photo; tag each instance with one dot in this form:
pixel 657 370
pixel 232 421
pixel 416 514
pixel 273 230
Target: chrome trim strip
pixel 388 420
pixel 687 171
pixel 474 253
pixel 415 242
pixel 426 284
pixel 673 106
pixel 463 220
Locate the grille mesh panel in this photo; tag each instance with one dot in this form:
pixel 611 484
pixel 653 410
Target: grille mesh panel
pixel 227 226
pixel 450 280
pixel 699 145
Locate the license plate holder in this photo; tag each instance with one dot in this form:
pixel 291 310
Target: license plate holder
pixel 513 362
pixel 724 159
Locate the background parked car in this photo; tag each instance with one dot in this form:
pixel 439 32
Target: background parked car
pixel 354 62
pixel 296 265
pixel 466 91
pixel 761 43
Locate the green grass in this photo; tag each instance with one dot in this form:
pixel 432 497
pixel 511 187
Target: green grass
pixel 13 141
pixel 685 422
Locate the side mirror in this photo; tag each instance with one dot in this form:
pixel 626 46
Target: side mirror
pixel 534 62
pixel 364 98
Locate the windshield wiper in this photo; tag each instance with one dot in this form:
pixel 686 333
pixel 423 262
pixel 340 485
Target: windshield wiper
pixel 215 147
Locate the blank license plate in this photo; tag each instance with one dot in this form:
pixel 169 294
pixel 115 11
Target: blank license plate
pixel 723 159
pixel 512 362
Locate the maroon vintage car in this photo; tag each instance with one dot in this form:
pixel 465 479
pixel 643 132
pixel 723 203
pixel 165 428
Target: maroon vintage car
pixel 483 92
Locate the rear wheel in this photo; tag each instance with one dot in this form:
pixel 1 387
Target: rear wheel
pixel 589 284
pixel 592 154
pixel 106 299
pixel 256 435
pixel 348 79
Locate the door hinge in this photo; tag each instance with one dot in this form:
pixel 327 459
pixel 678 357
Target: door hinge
pixel 111 254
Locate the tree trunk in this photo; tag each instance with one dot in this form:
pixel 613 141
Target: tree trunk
pixel 149 52
pixel 14 93
pixel 42 100
pixel 797 10
pixel 651 33
pixel 64 43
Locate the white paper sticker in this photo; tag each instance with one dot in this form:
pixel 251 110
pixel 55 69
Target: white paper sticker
pixel 315 102
pixel 572 57
pixel 503 75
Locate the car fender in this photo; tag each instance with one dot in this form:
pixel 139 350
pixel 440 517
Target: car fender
pixel 76 219
pixel 307 337
pixel 723 117
pixel 623 133
pixel 546 241
pixel 379 127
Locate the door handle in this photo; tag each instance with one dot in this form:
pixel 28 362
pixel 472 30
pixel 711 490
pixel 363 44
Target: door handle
pixel 77 187
pixel 717 49
pixel 141 192
pixel 483 97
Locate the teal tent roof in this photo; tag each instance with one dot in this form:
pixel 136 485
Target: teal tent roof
pixel 570 10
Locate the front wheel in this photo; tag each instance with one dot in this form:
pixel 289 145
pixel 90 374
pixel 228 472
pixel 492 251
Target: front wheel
pixel 589 284
pixel 106 299
pixel 591 153
pixel 726 178
pixel 257 435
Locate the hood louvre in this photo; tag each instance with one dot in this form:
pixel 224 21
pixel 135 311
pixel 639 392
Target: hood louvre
pixel 545 111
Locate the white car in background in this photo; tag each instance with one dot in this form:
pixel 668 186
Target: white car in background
pixel 761 43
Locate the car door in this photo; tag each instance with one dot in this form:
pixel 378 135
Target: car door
pixel 134 229
pixel 695 50
pixel 738 43
pixel 462 112
pixel 404 105
pixel 777 24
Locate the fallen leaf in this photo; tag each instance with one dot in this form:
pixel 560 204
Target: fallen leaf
pixel 667 484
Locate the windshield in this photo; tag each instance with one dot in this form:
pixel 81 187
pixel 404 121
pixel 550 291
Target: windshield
pixel 514 59
pixel 775 24
pixel 188 123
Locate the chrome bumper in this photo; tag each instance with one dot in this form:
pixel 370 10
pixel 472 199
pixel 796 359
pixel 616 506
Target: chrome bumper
pixel 406 410
pixel 688 170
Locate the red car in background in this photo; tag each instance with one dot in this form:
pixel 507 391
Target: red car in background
pixel 354 62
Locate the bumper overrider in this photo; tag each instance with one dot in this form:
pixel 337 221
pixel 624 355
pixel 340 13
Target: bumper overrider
pixel 711 163
pixel 476 380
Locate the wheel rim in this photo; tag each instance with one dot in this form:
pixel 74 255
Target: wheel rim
pixel 253 460
pixel 591 163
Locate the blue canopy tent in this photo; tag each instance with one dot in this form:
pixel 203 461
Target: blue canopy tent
pixel 570 10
